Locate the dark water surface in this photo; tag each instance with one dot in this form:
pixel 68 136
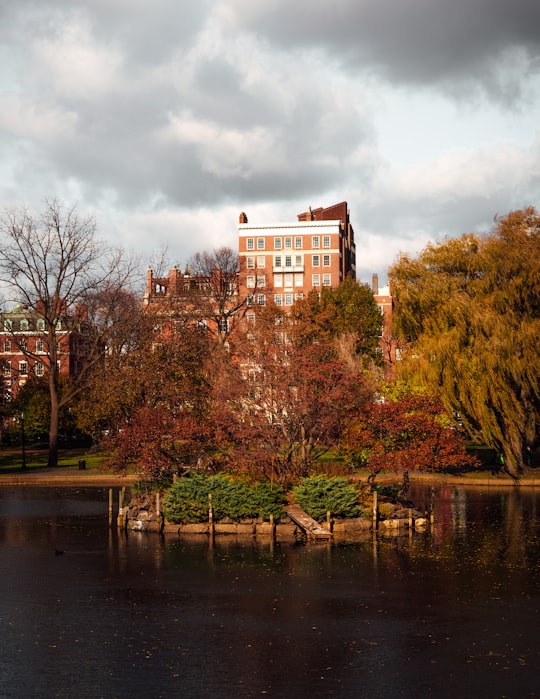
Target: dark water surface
pixel 453 612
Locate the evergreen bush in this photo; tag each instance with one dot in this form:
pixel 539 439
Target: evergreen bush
pixel 318 494
pixel 187 500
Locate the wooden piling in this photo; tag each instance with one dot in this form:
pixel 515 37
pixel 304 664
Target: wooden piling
pixel 120 518
pixel 210 516
pixel 110 507
pixel 375 510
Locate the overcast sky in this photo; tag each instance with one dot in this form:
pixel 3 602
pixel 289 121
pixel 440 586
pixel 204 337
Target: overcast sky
pixel 168 118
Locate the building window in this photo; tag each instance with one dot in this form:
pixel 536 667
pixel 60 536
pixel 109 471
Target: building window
pixel 326 241
pixel 250 281
pixel 277 243
pixel 288 299
pixel 250 262
pixel 7 345
pixel 315 280
pixel 298 242
pixel 8 324
pixel 260 243
pixel 40 369
pixel 299 280
pixel 398 354
pixel 288 243
pixel 250 317
pixel 315 260
pixel 261 261
pixel 261 280
pixel 277 261
pixel 24 325
pixel 39 345
pixel 326 260
pixel 261 300
pixel 298 296
pixel 23 345
pixel 278 280
pixel 223 325
pixel 327 279
pixel 298 261
pixel 23 368
pixel 40 325
pixel 278 299
pixel 7 369
pixel 315 241
pixel 288 261
pixel 250 244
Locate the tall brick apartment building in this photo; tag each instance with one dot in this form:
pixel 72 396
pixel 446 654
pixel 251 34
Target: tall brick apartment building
pixel 283 262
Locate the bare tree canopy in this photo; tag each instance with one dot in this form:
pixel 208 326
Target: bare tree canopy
pixel 220 300
pixel 54 265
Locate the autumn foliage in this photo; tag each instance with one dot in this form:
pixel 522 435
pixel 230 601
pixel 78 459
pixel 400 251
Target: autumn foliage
pixel 411 433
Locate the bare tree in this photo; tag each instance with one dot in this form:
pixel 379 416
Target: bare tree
pixel 54 265
pixel 219 300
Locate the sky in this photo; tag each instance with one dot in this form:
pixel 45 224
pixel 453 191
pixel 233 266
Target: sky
pixel 166 119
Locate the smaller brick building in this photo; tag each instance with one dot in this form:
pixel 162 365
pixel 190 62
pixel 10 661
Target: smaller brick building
pixel 24 348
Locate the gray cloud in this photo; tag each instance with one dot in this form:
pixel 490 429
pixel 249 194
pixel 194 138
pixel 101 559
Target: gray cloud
pixel 172 114
pixel 457 44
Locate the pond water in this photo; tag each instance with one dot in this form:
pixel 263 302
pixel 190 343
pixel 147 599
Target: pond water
pixel 452 612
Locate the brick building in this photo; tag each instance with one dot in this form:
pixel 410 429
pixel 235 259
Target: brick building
pixel 24 348
pixel 282 262
pixel 180 297
pixel 384 300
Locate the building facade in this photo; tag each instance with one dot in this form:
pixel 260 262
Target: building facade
pixel 388 345
pixel 283 262
pixel 24 349
pixel 181 298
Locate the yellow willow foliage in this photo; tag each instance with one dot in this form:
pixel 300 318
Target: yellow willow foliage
pixel 469 310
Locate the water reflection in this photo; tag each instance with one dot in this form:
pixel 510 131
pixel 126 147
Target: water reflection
pixel 452 611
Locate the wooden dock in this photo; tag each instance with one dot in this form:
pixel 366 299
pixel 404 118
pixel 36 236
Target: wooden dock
pixel 312 528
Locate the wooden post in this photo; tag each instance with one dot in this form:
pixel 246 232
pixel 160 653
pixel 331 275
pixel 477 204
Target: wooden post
pixel 120 519
pixel 328 521
pixel 210 516
pixel 410 518
pixel 431 506
pixel 110 506
pixel 375 510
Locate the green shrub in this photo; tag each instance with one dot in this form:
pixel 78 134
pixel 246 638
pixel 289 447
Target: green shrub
pixel 386 491
pixel 270 500
pixel 187 500
pixel 318 494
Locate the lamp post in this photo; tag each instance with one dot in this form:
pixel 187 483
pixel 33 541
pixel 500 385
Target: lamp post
pixel 23 443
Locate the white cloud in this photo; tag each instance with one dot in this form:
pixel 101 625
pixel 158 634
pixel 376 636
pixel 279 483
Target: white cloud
pixel 170 119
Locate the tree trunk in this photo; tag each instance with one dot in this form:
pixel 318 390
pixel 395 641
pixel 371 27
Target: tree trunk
pixel 53 425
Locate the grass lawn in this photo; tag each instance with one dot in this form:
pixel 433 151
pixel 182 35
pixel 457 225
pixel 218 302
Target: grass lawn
pixel 36 458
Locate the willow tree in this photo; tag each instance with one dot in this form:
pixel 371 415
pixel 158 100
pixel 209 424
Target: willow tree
pixel 469 309
pixel 54 265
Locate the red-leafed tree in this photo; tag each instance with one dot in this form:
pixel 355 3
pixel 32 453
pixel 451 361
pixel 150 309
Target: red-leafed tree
pixel 412 433
pixel 294 401
pixel 161 401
